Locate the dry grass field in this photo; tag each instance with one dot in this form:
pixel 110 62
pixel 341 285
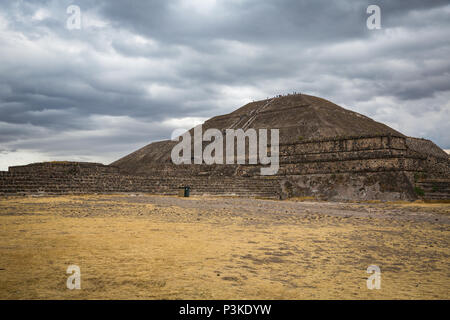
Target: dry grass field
pixel 155 247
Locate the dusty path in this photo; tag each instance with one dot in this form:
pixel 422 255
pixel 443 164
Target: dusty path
pixel 155 247
pixel 277 210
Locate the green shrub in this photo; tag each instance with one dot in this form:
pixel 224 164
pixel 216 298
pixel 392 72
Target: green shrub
pixel 419 191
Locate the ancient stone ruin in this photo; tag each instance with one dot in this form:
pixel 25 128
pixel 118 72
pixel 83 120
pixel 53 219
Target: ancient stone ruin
pixel 326 152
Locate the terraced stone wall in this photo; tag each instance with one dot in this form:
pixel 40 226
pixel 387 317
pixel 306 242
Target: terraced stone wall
pixel 63 178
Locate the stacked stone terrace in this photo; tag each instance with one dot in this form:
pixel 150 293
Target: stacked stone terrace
pixel 84 178
pixel 390 167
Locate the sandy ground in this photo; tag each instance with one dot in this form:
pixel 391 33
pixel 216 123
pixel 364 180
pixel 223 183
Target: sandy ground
pixel 156 247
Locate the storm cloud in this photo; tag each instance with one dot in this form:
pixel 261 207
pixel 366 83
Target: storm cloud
pixel 137 70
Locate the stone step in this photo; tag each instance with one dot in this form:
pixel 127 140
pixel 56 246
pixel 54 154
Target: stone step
pixel 434 189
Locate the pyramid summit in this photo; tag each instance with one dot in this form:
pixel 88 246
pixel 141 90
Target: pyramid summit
pixel 325 152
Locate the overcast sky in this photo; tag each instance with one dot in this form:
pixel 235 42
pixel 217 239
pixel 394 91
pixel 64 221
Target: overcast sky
pixel 137 70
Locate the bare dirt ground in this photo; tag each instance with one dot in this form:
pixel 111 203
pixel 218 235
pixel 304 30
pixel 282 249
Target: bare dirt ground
pixel 157 247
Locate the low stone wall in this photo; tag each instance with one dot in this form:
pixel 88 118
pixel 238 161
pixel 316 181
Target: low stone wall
pixel 433 189
pixel 99 179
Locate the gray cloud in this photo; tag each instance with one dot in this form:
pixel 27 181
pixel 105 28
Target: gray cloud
pixel 138 69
